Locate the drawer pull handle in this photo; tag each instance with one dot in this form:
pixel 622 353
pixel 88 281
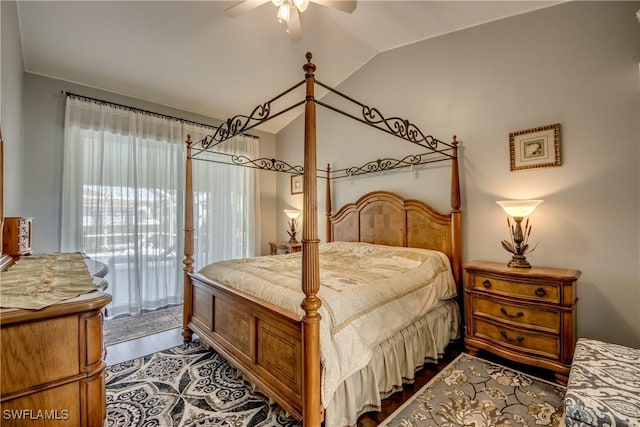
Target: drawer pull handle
pixel 518 339
pixel 513 316
pixel 486 284
pixel 541 292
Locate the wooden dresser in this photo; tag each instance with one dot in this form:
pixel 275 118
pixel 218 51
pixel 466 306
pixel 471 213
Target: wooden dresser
pixel 16 236
pixel 527 315
pixel 52 364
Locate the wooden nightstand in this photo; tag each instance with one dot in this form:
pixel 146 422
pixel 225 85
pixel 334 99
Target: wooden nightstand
pixel 527 315
pixel 285 247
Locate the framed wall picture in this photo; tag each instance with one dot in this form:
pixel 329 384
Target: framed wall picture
pixel 535 148
pixel 296 184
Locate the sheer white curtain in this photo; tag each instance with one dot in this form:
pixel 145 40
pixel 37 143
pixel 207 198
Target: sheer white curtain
pixel 123 200
pixel 226 201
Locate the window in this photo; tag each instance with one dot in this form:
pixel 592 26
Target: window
pixel 123 201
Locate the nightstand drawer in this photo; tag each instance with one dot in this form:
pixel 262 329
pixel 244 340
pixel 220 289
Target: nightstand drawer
pixel 534 317
pixel 532 291
pixel 530 342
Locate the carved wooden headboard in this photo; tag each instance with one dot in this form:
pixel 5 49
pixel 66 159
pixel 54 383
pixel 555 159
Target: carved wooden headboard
pixel 385 218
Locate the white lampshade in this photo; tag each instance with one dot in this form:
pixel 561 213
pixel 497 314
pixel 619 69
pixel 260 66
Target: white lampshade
pixel 283 12
pixel 301 4
pixel 519 208
pixel 292 214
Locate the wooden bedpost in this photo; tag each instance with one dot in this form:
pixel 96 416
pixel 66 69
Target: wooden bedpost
pixel 456 216
pixel 311 405
pixel 327 204
pixel 188 245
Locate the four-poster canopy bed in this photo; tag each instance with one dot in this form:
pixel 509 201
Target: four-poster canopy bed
pixel 276 343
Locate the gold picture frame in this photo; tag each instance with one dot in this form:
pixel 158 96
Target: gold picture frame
pixel 296 184
pixel 535 148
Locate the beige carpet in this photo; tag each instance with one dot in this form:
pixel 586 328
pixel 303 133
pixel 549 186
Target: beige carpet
pixel 131 327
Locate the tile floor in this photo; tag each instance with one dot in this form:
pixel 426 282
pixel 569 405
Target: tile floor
pixel 128 350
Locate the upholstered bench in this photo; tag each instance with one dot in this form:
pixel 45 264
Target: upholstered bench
pixel 604 386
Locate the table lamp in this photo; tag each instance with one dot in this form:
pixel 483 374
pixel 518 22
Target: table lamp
pixel 293 222
pixel 518 246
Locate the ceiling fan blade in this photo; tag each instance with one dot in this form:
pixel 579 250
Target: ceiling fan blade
pixel 344 5
pixel 293 25
pixel 243 6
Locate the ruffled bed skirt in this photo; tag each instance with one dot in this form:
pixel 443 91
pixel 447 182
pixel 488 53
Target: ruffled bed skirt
pixel 394 363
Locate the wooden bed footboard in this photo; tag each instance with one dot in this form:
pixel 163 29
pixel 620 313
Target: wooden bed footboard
pixel 263 341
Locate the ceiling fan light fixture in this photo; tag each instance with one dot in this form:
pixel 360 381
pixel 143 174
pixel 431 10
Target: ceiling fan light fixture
pixel 283 12
pixel 288 11
pixel 301 4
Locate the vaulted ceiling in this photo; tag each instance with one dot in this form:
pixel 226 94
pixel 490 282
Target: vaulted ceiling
pixel 190 55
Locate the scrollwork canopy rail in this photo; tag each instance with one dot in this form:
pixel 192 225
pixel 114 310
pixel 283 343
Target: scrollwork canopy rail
pixel 370 116
pixel 386 164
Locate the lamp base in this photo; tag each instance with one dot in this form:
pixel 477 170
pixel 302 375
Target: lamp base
pixel 519 261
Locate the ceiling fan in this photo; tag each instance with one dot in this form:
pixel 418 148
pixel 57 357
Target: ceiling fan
pixel 289 10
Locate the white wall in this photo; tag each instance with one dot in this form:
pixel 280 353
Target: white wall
pixel 11 78
pixel 44 107
pixel 575 64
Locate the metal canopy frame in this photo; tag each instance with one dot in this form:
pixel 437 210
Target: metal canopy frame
pixel 437 150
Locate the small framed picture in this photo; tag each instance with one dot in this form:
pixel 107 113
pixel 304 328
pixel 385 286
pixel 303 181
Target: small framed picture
pixel 296 184
pixel 535 148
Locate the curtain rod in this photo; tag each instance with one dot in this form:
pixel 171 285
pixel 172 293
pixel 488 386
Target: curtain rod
pixel 140 110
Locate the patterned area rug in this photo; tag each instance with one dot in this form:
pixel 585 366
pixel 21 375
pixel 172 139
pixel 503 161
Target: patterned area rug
pixel 185 386
pixel 473 392
pixel 131 327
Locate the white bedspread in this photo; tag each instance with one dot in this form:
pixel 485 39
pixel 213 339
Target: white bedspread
pixel 368 292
